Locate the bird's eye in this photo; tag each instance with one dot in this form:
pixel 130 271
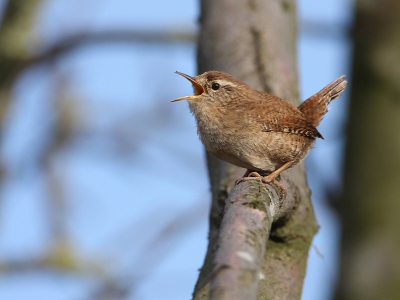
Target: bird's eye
pixel 215 86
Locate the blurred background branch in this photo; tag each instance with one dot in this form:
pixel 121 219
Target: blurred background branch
pixel 103 184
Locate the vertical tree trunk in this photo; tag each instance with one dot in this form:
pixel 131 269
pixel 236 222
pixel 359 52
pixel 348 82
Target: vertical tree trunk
pixel 255 41
pixel 370 264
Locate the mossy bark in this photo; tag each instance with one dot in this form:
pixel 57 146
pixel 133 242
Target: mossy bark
pixel 255 41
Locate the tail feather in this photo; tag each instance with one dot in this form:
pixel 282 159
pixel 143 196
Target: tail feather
pixel 315 107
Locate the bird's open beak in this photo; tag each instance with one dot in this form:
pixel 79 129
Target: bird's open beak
pixel 198 89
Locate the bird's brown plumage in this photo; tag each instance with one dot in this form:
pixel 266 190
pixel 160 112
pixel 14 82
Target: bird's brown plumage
pixel 253 129
pixel 278 115
pixel 315 107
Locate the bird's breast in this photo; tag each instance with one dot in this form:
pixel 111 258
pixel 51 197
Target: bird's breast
pixel 242 142
pixel 226 136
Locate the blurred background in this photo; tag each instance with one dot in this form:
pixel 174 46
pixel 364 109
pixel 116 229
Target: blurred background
pixel 104 189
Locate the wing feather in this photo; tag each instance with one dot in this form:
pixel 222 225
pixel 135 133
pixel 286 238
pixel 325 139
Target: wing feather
pixel 276 115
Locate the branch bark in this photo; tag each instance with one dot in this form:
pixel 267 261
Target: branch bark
pixel 255 41
pixel 249 212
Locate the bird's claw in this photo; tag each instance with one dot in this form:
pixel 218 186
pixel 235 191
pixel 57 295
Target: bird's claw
pixel 264 179
pixel 250 176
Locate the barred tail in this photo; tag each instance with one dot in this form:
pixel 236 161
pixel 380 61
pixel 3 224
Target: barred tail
pixel 315 107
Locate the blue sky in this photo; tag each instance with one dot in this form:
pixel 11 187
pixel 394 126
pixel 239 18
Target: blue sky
pixel 131 177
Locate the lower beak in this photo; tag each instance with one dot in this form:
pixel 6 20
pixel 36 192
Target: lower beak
pixel 198 88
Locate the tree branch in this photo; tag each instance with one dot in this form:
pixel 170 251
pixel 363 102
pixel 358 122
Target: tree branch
pixel 254 41
pixel 16 64
pixel 249 212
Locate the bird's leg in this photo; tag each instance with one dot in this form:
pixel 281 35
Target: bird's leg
pixel 249 175
pixel 271 178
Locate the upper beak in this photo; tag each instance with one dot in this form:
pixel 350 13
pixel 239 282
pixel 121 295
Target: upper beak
pixel 198 88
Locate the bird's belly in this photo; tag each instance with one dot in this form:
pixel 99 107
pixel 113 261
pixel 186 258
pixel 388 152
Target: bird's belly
pixel 249 162
pixel 265 151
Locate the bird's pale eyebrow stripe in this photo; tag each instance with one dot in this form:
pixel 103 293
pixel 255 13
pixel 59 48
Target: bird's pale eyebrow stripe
pixel 224 82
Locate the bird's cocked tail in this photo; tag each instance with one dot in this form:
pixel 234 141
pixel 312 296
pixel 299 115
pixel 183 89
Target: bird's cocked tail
pixel 315 107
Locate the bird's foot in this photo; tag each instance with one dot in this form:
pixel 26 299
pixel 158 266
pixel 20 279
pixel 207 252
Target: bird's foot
pixel 249 176
pixel 271 178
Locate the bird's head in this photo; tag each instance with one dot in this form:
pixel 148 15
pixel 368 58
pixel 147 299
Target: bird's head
pixel 213 88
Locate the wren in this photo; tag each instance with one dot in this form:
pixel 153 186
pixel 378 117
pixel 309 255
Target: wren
pixel 253 129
